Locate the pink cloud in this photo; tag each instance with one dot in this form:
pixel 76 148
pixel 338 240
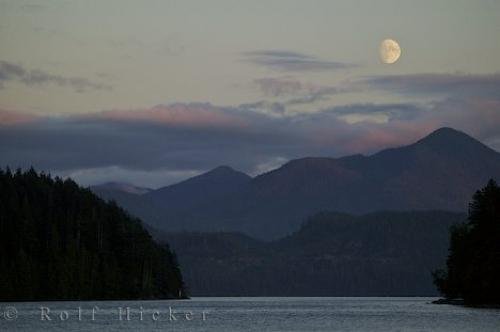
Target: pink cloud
pixel 183 115
pixel 10 118
pixel 367 138
pixel 396 134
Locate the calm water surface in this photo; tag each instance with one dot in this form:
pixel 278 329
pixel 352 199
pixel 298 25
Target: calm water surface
pixel 249 314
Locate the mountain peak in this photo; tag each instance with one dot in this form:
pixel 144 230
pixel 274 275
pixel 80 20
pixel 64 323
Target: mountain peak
pixel 220 176
pixel 225 171
pixel 449 138
pixel 447 133
pixel 186 195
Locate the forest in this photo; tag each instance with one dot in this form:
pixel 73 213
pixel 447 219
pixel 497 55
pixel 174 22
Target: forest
pixel 387 253
pixel 59 241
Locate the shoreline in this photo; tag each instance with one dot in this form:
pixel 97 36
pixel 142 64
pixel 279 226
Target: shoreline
pixel 461 302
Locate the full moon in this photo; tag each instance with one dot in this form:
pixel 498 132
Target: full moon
pixel 390 51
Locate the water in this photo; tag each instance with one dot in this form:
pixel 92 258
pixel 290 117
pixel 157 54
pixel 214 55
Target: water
pixel 251 314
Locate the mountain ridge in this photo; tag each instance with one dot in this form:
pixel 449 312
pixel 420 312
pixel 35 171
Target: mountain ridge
pixel 438 172
pixel 332 254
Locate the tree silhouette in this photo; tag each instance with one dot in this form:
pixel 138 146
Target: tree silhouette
pixel 60 241
pixel 473 266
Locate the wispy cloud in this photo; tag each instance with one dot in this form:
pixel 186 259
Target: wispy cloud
pixel 10 118
pixel 295 92
pixel 11 72
pixel 279 87
pixel 461 85
pixel 265 107
pixel 178 115
pixel 283 60
pixel 378 112
pixel 148 178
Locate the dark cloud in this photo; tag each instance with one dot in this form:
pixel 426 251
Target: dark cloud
pixel 292 61
pixel 466 101
pixel 169 142
pixel 74 145
pixel 265 107
pixel 313 95
pixel 460 85
pixel 10 72
pixel 295 92
pixel 276 87
pixel 177 139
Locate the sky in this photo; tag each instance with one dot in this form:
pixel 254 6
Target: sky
pixel 152 92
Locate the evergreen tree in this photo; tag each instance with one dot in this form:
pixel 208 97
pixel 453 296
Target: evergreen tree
pixel 473 266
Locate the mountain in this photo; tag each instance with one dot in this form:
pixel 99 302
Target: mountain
pixel 130 197
pixel 172 205
pixel 332 254
pixel 219 182
pixel 439 172
pixel 59 241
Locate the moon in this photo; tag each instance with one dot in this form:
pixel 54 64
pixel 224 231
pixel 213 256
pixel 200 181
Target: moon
pixel 390 51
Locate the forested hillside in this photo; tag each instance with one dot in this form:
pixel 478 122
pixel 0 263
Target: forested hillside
pixel 332 254
pixel 60 241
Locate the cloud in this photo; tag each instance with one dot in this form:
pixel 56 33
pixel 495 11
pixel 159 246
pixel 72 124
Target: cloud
pixel 179 115
pixel 458 85
pixel 175 139
pixel 11 118
pixel 275 87
pixel 378 112
pixel 293 91
pixel 149 179
pixel 263 107
pixel 10 72
pixel 282 60
pixel 465 101
pixel 170 142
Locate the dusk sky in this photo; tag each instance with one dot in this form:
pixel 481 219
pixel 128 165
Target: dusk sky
pixel 153 92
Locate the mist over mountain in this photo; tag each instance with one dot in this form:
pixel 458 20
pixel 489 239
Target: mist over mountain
pixel 439 172
pixel 120 187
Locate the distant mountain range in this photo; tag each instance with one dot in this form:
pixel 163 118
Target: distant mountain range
pixel 439 172
pixel 332 254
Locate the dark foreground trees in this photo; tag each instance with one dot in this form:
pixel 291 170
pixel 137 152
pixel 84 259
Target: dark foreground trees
pixel 60 241
pixel 473 265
